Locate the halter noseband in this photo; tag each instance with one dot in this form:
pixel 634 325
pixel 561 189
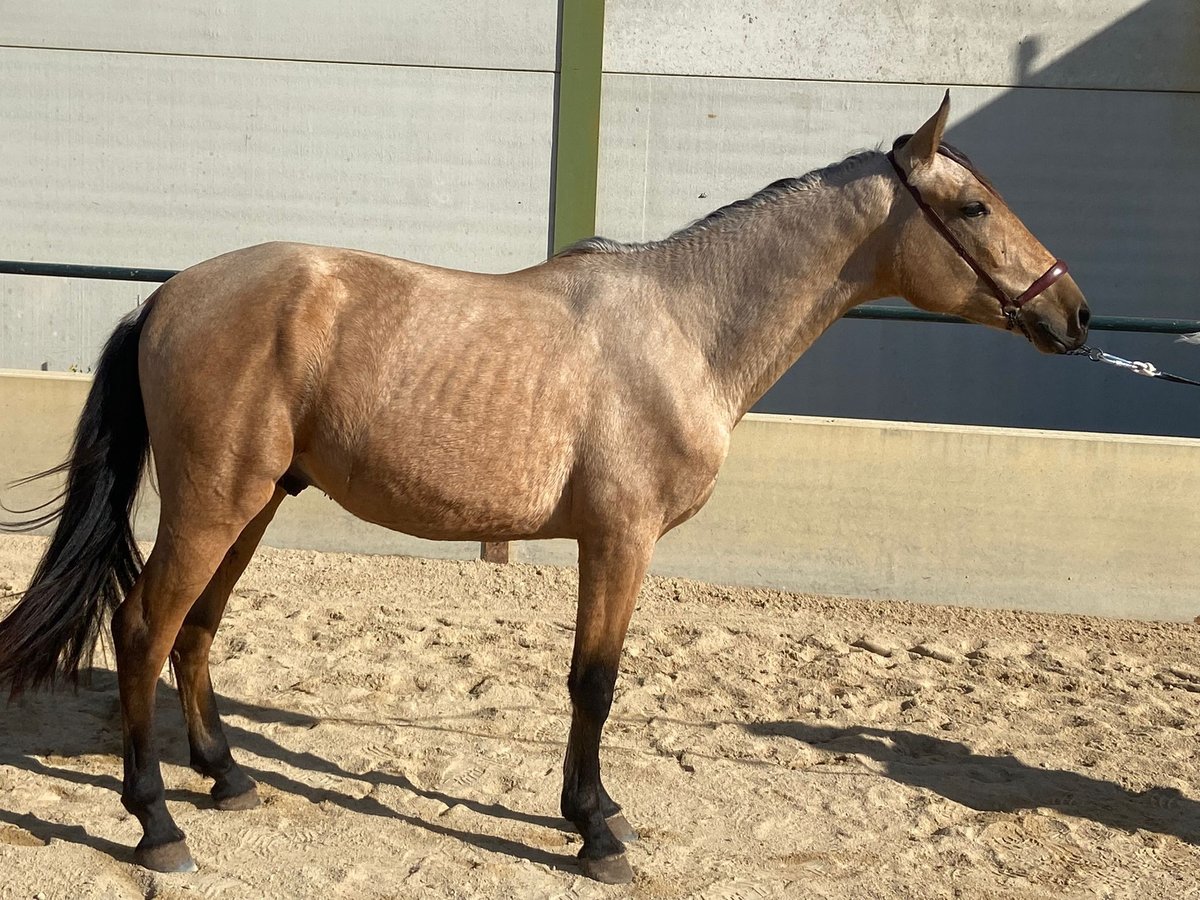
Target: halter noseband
pixel 1009 306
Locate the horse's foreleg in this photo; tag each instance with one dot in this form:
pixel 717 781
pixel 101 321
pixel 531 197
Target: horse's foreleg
pixel 210 755
pixel 610 575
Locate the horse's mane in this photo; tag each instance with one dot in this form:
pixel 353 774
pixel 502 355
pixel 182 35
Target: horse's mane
pixel 773 192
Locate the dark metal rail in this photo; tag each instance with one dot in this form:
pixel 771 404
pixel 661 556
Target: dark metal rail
pixel 1134 324
pixel 1098 323
pixel 71 270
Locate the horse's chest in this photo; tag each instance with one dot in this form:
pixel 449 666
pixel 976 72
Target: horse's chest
pixel 689 475
pixel 681 515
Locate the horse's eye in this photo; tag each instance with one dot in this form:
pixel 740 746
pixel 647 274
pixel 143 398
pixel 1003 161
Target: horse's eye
pixel 974 210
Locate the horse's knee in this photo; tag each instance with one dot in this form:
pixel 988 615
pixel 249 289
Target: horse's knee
pixel 591 688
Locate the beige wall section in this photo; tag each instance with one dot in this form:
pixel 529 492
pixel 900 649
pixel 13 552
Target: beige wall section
pixel 1054 521
pixel 1137 44
pixel 1101 524
pixel 516 34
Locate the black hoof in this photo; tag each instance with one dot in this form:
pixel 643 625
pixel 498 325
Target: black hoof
pixel 613 869
pixel 244 800
pixel 621 828
pixel 172 857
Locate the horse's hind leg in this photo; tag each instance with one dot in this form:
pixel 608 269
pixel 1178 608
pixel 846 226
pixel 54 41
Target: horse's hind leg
pixel 210 755
pixel 186 554
pixel 610 576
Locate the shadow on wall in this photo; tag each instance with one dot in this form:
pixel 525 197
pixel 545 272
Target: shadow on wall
pixel 1109 180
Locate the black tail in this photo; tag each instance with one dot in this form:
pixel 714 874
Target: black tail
pixel 92 561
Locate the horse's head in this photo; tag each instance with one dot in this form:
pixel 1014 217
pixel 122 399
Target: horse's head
pixel 961 250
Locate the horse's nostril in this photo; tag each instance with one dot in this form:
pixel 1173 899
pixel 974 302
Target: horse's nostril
pixel 1085 316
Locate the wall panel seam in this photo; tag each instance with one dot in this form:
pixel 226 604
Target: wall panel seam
pixel 883 82
pixel 281 59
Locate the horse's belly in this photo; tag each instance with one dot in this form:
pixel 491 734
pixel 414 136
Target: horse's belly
pixel 450 490
pixel 459 421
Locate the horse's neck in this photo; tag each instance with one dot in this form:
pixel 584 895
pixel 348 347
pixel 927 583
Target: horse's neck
pixel 755 293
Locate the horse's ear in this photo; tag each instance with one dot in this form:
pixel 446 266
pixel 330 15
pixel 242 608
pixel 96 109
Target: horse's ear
pixel 922 147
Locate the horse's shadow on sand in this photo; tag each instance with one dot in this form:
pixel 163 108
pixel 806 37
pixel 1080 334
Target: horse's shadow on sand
pixel 64 725
pixel 33 727
pixel 999 783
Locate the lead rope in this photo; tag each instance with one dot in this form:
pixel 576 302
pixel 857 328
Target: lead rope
pixel 1131 365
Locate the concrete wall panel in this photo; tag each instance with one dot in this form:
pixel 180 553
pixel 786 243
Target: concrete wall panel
pixel 61 324
pixel 517 34
pixel 1128 44
pixel 147 160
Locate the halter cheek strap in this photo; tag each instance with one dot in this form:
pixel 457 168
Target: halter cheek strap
pixel 1008 305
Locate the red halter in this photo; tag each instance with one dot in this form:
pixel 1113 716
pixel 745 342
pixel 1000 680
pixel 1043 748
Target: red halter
pixel 1008 305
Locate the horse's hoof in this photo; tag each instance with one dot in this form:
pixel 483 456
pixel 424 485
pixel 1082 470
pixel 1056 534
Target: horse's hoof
pixel 621 828
pixel 613 869
pixel 172 857
pixel 244 800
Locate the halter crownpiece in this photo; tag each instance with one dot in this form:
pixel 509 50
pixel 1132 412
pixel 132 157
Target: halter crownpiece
pixel 1008 305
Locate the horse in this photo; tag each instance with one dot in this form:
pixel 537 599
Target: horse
pixel 590 397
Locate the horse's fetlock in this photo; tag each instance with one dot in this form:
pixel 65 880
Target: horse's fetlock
pixel 211 762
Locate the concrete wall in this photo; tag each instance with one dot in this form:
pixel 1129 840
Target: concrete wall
pixel 984 42
pixel 516 34
pixel 1085 523
pixel 1087 116
pixel 162 134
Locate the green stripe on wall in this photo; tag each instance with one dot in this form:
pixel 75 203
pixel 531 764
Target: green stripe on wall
pixel 577 121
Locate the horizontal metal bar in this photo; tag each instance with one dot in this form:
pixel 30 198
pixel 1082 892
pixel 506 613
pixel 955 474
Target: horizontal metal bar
pixel 71 270
pixel 1147 326
pixel 902 314
pixel 1136 324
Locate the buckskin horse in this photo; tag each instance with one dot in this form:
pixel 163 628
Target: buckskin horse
pixel 589 397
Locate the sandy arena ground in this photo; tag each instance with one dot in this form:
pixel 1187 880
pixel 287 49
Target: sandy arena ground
pixel 405 719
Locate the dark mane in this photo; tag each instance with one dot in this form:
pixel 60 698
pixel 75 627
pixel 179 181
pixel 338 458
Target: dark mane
pixel 773 192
